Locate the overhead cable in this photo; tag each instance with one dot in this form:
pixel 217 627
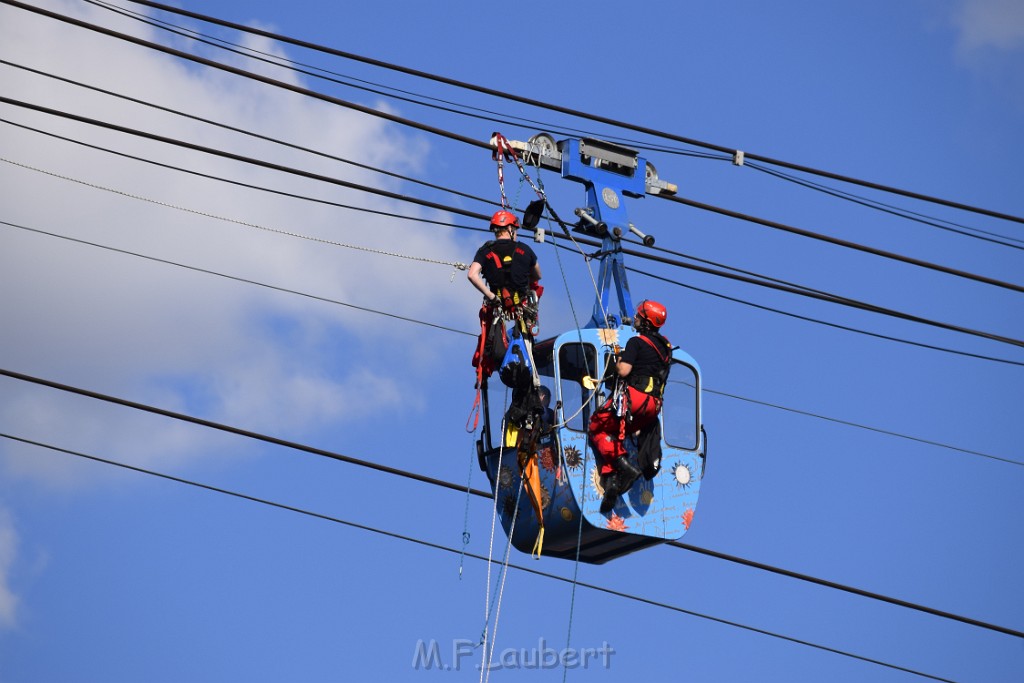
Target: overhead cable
pixel 455 487
pixel 564 110
pixel 247 281
pixel 878 430
pixel 483 218
pixel 505 119
pixel 248 74
pixel 817 321
pixel 949 226
pixel 243 131
pixel 432 129
pixel 473 334
pixel 239 157
pixel 842 243
pixel 465 553
pixel 478 143
pixel 221 179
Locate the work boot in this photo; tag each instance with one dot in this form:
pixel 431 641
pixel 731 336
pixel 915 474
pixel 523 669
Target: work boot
pixel 610 484
pixel 627 471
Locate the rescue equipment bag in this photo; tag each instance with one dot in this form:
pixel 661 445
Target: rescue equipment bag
pixel 516 371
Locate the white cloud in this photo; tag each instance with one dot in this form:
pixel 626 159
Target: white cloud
pixel 183 340
pixel 997 24
pixel 8 553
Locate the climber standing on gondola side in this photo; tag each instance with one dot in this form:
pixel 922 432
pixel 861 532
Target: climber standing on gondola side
pixel 640 374
pixel 506 272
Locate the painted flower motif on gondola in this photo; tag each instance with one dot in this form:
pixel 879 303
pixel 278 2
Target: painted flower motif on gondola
pixel 595 481
pixel 616 523
pixel 687 518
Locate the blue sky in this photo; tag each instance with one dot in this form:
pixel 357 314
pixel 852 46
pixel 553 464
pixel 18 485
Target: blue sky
pixel 117 576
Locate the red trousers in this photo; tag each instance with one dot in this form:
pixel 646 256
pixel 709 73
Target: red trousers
pixel 607 430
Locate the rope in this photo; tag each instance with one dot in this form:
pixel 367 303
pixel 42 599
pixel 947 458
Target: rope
pixel 454 264
pixel 576 563
pixel 490 547
pixel 488 653
pixel 465 514
pixel 586 455
pixel 499 154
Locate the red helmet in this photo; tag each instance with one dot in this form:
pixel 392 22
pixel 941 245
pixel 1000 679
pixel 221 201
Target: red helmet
pixel 504 219
pixel 652 312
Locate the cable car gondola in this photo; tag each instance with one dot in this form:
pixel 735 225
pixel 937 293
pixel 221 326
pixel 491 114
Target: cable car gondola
pixel 571 366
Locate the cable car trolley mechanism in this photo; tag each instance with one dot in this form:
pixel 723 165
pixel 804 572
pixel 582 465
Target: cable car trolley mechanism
pixel 555 463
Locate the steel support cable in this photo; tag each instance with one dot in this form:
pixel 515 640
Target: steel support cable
pixel 216 43
pixel 472 334
pixel 457 265
pixel 221 179
pixel 476 492
pixel 909 215
pixel 239 157
pixel 843 243
pixel 831 296
pixel 284 63
pixel 852 303
pixel 455 137
pixel 466 110
pixel 824 322
pixel 243 131
pixel 862 426
pixel 563 110
pixel 248 74
pixel 551 128
pixel 239 279
pixel 495 117
pixel 483 218
pixel 437 546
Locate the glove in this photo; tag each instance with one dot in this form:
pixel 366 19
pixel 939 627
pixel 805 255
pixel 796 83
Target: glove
pixel 495 301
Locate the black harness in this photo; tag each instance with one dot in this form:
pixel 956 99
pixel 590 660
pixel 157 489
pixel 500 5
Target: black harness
pixel 654 384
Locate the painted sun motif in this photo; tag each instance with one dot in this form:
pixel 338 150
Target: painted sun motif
pixel 682 474
pixel 505 477
pixel 687 518
pixel 608 335
pixel 508 506
pixel 616 523
pixel 572 457
pixel 595 481
pixel 547 458
pixel 545 497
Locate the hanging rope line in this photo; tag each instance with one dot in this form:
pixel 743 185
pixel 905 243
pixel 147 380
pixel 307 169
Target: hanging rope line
pixel 454 264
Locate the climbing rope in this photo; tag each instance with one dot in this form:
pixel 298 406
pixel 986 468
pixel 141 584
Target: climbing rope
pixel 465 514
pixel 489 651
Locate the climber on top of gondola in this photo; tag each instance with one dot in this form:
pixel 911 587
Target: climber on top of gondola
pixel 506 271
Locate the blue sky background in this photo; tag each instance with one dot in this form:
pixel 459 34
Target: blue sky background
pixel 118 576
